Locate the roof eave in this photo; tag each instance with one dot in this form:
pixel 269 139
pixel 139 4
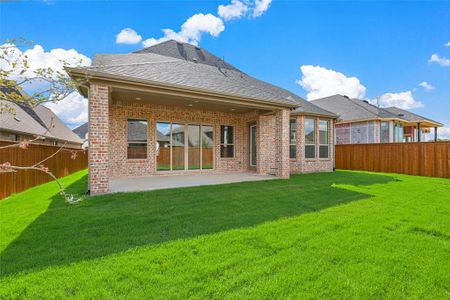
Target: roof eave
pixel 96 75
pixel 302 113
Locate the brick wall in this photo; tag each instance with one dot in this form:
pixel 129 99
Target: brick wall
pixel 108 139
pixel 120 111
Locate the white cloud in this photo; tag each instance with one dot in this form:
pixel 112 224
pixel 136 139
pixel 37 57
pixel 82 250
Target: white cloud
pixel 72 110
pixel 439 60
pixel 426 86
pixel 191 30
pixel 38 58
pixel 128 36
pixel 447 45
pixel 260 7
pixel 235 10
pixel 322 82
pixel 404 100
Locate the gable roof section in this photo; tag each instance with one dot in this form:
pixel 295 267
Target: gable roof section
pixel 188 52
pixel 59 130
pixel 82 130
pixel 35 121
pixel 187 66
pixel 411 117
pixel 353 109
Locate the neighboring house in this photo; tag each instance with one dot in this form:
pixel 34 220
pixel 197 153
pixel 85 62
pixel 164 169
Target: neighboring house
pixel 200 115
pixel 23 122
pixel 415 125
pixel 360 122
pixel 82 132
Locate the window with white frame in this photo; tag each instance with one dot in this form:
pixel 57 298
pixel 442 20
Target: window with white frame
pixel 323 139
pixel 293 139
pixel 310 138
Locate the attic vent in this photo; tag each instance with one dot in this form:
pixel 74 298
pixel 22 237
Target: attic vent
pixel 179 43
pixel 17 119
pixel 197 47
pixel 195 60
pixel 401 115
pixel 365 101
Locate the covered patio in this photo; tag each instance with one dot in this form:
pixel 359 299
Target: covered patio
pixel 148 183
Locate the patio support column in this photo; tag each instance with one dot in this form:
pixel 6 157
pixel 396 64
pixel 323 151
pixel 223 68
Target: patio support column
pixel 419 132
pixel 435 134
pixel 282 143
pixel 98 138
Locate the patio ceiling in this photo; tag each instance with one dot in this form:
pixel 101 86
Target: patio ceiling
pixel 188 101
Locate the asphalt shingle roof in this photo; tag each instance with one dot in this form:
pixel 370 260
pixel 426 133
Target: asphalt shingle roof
pixel 407 115
pixel 189 66
pixel 82 130
pixel 37 120
pixel 352 109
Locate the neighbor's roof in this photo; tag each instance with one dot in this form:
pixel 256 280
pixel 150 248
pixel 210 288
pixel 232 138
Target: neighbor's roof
pixel 409 116
pixel 353 109
pixel 35 121
pixel 185 65
pixel 82 130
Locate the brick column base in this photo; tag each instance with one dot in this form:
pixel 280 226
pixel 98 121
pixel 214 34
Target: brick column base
pixel 98 138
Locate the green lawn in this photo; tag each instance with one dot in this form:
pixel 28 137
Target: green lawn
pixel 336 235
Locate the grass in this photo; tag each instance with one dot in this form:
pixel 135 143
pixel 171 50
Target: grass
pixel 334 235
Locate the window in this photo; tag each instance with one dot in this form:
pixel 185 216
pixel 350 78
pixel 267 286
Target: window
pixel 137 139
pixel 384 132
pixel 310 138
pixel 293 139
pixel 226 141
pixel 13 137
pixel 323 138
pixel 398 132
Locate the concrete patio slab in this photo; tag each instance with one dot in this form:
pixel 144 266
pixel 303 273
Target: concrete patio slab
pixel 175 181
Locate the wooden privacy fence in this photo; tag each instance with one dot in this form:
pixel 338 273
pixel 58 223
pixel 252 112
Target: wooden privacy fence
pixel 424 159
pixel 60 165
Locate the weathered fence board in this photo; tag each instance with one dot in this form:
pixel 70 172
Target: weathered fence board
pixel 424 159
pixel 60 165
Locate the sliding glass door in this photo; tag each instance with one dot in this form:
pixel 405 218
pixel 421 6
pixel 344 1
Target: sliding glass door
pixel 207 147
pixel 194 147
pixel 184 146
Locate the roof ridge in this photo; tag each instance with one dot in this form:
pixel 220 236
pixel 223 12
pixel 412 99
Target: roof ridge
pixel 134 64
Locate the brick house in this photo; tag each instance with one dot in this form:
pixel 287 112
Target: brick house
pixel 360 122
pixel 23 123
pixel 175 108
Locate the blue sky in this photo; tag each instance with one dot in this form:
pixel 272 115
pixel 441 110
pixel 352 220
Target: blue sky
pixel 386 46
